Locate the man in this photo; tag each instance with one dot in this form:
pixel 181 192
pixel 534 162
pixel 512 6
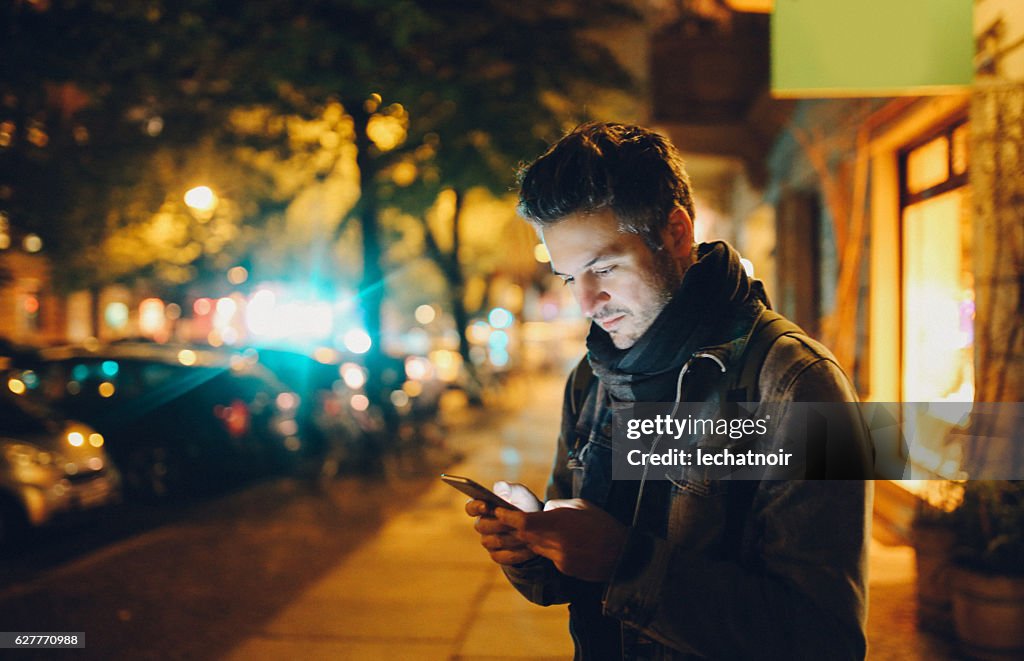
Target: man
pixel 676 569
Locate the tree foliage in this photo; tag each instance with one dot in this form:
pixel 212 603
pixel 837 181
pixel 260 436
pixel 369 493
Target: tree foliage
pixel 111 110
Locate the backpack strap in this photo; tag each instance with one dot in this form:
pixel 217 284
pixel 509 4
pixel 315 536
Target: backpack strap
pixel 769 327
pixel 582 378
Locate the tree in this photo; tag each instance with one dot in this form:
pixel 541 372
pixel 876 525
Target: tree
pixel 440 95
pixel 505 84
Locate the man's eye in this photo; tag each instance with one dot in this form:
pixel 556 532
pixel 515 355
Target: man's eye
pixel 604 271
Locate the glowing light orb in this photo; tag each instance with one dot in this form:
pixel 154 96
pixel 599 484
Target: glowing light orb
pixel 425 314
pixel 353 375
pixel 201 198
pixel 500 318
pixel 357 341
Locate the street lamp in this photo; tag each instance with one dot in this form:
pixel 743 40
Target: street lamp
pixel 201 199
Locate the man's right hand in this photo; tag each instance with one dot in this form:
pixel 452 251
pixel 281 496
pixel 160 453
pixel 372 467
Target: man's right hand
pixel 500 540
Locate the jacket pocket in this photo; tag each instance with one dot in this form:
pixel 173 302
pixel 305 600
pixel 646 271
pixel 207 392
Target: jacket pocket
pixel 697 512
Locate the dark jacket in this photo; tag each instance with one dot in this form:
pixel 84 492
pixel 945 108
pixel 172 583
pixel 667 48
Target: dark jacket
pixel 719 569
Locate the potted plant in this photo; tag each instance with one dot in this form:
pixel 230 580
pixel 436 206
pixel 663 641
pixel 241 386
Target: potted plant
pixel 933 535
pixel 988 574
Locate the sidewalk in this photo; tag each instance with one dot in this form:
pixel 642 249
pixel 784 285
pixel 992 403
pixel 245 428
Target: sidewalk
pixel 424 589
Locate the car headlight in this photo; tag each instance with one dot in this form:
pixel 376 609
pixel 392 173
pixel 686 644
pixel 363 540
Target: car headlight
pixel 82 437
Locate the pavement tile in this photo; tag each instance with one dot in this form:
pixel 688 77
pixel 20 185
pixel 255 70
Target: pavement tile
pixel 438 586
pixel 892 619
pixel 370 619
pixel 307 649
pixel 890 565
pixel 455 553
pixel 441 535
pixel 432 533
pixel 531 633
pixel 503 598
pixel 505 625
pixel 423 589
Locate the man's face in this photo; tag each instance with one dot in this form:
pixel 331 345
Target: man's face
pixel 617 279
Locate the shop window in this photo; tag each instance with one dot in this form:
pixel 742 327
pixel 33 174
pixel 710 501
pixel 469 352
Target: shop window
pixel 937 294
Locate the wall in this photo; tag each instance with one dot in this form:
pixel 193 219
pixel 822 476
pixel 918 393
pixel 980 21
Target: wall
pixel 997 180
pixel 28 276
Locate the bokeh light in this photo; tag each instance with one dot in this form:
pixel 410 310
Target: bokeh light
pixel 151 316
pixel 500 318
pixel 425 314
pixel 116 315
pixel 357 341
pixel 201 198
pixel 32 243
pixel 353 375
pixel 202 307
pixel 237 275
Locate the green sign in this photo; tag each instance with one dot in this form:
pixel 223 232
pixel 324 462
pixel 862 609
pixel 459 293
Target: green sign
pixel 827 48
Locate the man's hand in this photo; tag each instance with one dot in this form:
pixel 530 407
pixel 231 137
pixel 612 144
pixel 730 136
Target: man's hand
pixel 580 538
pixel 499 539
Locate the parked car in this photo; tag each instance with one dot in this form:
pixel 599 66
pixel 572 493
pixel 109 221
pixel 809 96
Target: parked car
pixel 49 467
pixel 354 424
pixel 177 419
pixel 334 436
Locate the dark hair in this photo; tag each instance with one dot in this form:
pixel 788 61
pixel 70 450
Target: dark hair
pixel 633 171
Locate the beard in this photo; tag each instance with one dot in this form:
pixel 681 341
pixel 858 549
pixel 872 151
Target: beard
pixel 663 280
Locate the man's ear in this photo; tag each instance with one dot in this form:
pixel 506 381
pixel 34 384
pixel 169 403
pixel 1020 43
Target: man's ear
pixel 679 233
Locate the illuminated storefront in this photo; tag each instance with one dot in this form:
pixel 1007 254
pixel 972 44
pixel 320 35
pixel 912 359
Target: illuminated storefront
pixel 937 294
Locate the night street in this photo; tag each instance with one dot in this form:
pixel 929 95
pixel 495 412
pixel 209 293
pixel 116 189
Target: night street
pixel 370 569
pixel 195 580
pixel 729 292
pixel 194 583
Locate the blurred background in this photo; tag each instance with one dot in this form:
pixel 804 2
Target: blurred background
pixel 261 278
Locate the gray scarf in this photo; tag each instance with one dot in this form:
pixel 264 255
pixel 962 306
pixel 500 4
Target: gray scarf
pixel 715 295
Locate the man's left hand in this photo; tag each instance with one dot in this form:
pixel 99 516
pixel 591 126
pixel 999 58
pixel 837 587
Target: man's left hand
pixel 581 539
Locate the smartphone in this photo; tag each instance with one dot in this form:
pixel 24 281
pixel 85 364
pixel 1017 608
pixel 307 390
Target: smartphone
pixel 477 491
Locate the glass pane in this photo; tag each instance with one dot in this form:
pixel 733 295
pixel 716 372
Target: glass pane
pixel 928 165
pixel 938 319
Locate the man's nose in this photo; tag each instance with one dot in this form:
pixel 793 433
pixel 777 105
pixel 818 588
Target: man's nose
pixel 590 295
